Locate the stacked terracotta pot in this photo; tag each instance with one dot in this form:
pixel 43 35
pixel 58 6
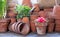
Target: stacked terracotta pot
pixel 34 16
pixel 51 22
pixel 11 13
pixel 57 17
pixel 19 27
pixel 27 3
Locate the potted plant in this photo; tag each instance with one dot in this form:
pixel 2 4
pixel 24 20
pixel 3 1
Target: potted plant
pixel 23 12
pixel 41 24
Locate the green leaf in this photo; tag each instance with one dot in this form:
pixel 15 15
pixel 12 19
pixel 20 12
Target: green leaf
pixel 22 11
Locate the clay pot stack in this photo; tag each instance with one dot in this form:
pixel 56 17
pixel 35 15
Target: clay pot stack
pixel 27 3
pixel 11 13
pixel 4 25
pixel 32 23
pixel 34 16
pixel 19 27
pixel 57 17
pixel 51 23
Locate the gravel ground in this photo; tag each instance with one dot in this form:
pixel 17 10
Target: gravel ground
pixel 10 34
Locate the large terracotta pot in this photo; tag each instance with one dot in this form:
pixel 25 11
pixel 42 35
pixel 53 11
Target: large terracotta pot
pixel 4 25
pixel 32 24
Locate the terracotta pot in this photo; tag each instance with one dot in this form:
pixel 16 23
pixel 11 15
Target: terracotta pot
pixel 16 27
pixel 25 20
pixel 32 24
pixel 56 11
pixel 41 28
pixel 57 29
pixel 48 9
pixel 50 27
pixel 13 20
pixel 56 17
pixel 13 27
pixel 11 13
pixel 43 14
pixel 27 3
pixel 33 27
pixel 4 25
pixel 25 30
pixel 57 21
pixel 57 25
pixel 37 9
pixel 33 17
pixel 51 20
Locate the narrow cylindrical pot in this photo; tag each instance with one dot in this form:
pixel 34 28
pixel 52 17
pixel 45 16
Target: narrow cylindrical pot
pixel 32 24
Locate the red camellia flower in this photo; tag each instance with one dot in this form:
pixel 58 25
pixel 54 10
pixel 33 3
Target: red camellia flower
pixel 41 19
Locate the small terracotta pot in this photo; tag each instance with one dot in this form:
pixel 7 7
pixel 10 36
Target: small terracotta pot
pixel 11 13
pixel 41 28
pixel 4 25
pixel 25 20
pixel 13 20
pixel 20 27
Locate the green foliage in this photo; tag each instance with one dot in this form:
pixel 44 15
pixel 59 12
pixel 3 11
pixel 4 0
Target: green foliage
pixel 2 7
pixel 22 11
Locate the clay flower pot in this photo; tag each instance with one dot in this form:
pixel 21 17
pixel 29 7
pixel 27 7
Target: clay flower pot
pixel 25 20
pixel 11 13
pixel 41 26
pixel 4 25
pixel 20 27
pixel 13 20
pixel 32 24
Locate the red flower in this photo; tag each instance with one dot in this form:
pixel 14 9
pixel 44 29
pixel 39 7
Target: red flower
pixel 41 19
